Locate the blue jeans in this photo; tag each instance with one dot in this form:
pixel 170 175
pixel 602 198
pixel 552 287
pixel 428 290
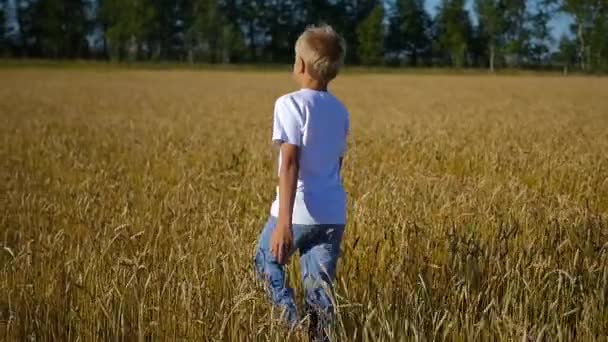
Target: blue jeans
pixel 319 248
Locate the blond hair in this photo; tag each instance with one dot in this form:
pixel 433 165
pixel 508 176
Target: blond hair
pixel 323 50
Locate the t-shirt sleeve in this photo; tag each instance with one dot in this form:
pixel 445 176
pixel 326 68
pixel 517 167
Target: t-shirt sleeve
pixel 287 126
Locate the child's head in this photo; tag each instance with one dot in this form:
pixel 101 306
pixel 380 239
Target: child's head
pixel 320 53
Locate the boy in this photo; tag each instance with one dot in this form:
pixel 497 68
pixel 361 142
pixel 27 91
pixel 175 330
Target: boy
pixel 309 213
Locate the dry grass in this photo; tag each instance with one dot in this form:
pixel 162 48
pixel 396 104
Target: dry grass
pixel 130 203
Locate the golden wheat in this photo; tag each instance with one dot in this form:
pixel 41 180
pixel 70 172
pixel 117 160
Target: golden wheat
pixel 130 203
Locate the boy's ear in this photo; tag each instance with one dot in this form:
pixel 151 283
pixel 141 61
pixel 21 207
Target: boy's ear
pixel 302 68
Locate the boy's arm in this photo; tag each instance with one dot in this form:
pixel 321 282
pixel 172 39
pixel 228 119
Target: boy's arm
pixel 287 130
pixel 282 237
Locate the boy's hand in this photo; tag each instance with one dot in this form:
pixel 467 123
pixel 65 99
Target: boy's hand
pixel 281 242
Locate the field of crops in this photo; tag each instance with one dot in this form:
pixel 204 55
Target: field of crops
pixel 130 204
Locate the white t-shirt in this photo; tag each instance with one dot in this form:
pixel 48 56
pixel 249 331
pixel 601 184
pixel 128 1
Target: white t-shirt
pixel 318 123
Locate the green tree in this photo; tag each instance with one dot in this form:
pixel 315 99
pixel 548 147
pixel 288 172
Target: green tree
pixel 201 30
pixel 517 33
pixel 491 26
pixel 370 35
pixel 286 20
pixel 210 36
pixel 354 13
pixel 234 46
pixel 166 33
pixel 128 23
pixel 478 46
pixel 47 27
pixel 250 19
pixel 567 53
pixel 540 36
pixel 102 22
pixel 271 27
pixel 346 16
pixel 3 24
pixel 590 18
pixel 28 40
pixel 598 38
pixel 409 30
pixel 160 29
pixel 453 32
pixel 61 27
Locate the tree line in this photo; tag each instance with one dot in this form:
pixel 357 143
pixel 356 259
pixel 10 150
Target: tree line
pixel 494 34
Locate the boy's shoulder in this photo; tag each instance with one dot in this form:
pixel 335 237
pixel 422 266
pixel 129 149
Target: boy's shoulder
pixel 289 103
pixel 302 97
pixel 289 97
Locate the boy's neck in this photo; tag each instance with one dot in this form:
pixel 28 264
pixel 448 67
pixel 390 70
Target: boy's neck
pixel 311 83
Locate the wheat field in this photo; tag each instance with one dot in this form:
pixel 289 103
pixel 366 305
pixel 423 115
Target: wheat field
pixel 131 201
